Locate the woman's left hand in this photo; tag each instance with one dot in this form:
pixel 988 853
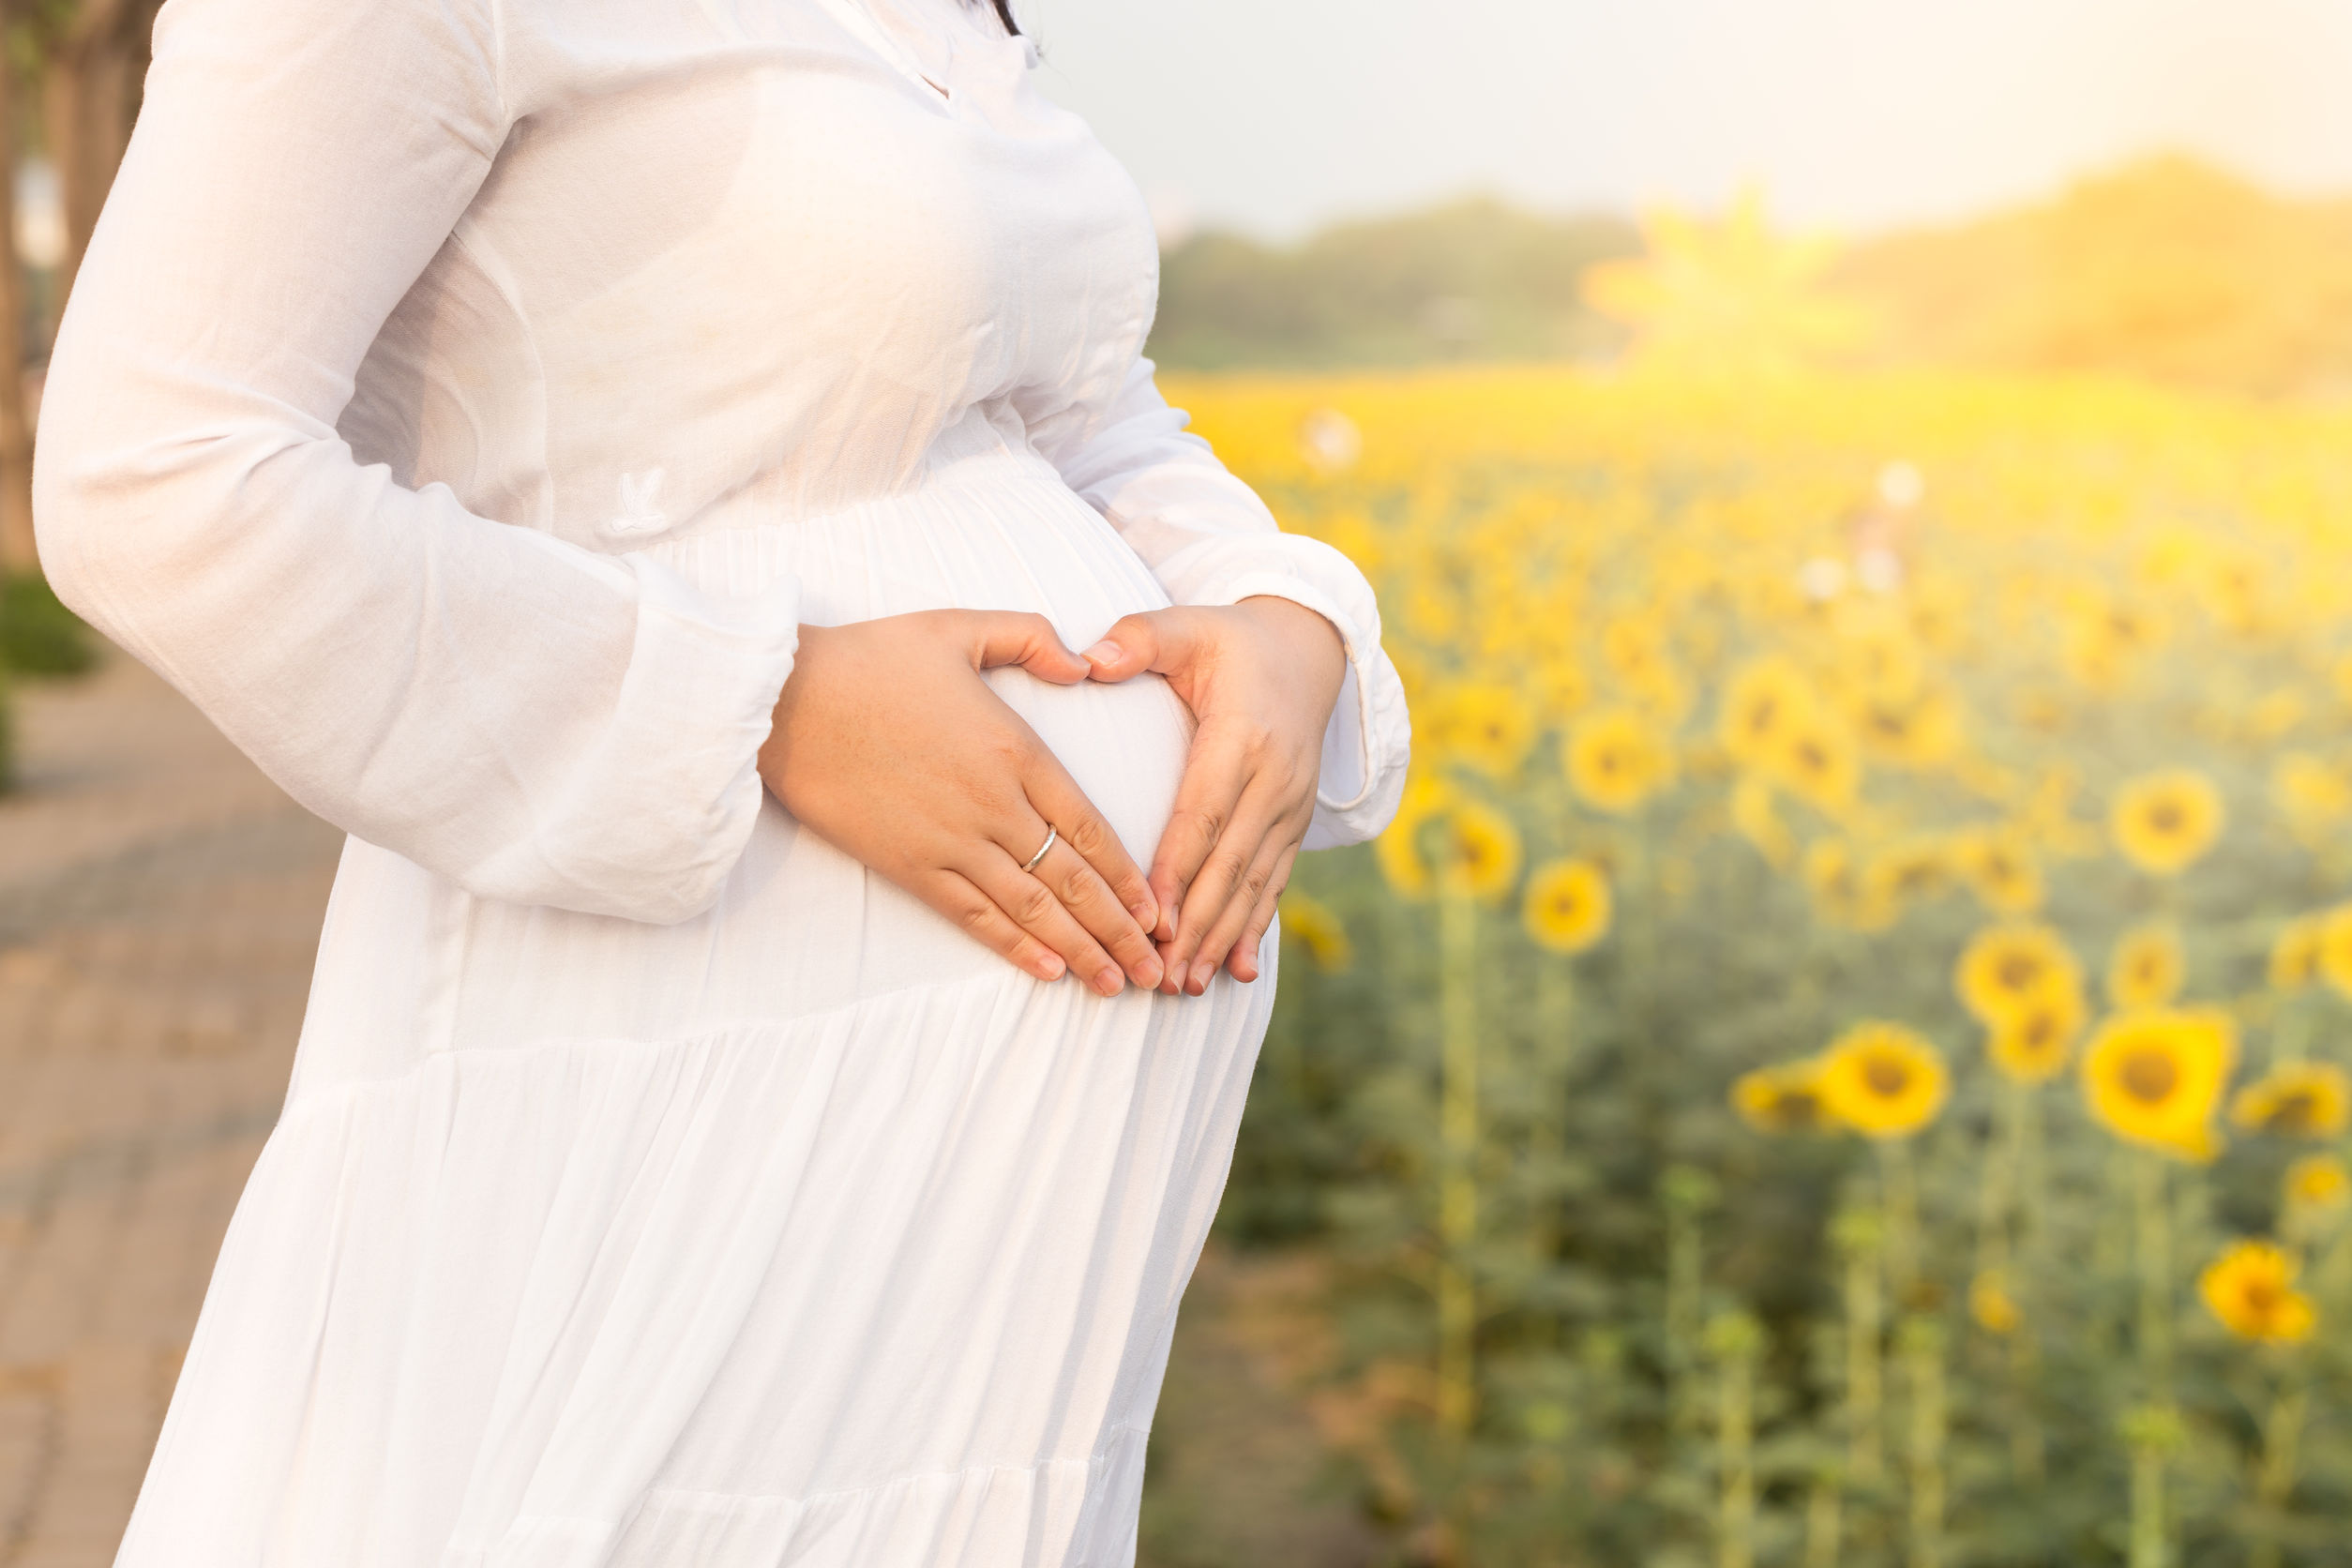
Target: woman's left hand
pixel 1260 677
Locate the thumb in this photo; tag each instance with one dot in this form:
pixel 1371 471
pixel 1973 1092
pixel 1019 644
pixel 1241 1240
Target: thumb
pixel 1014 637
pixel 1157 640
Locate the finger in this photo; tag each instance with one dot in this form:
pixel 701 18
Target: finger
pixel 1257 863
pixel 957 897
pixel 1058 799
pixel 1036 911
pixel 1159 639
pixel 1243 962
pixel 1092 903
pixel 1002 637
pixel 1225 890
pixel 1215 773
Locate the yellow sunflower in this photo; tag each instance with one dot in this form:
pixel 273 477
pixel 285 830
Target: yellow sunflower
pixel 1616 760
pixel 2333 948
pixel 1877 659
pixel 2154 1078
pixel 1568 905
pixel 2000 869
pixel 1764 700
pixel 2031 1045
pixel 2295 952
pixel 1883 1081
pixel 1753 815
pixel 2164 822
pixel 1835 883
pixel 1781 1099
pixel 2250 1289
pixel 1817 763
pixel 1908 872
pixel 1991 1304
pixel 1919 733
pixel 2296 1099
pixel 2318 1182
pixel 1403 860
pixel 2006 968
pixel 2146 968
pixel 1317 927
pixel 1477 844
pixel 1486 728
pixel 2311 795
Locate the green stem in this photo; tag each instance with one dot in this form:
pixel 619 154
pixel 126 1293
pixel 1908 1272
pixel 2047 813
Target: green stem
pixel 1825 1523
pixel 2291 1036
pixel 2153 1255
pixel 2152 1432
pixel 2026 1129
pixel 1864 1459
pixel 2026 1455
pixel 2282 1443
pixel 1901 1190
pixel 1923 1361
pixel 1458 1198
pixel 2148 1508
pixel 1684 1284
pixel 1547 1132
pixel 1735 1342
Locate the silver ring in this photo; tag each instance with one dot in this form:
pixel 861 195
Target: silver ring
pixel 1052 835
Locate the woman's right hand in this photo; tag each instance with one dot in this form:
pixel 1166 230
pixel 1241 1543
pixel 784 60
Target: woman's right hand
pixel 888 745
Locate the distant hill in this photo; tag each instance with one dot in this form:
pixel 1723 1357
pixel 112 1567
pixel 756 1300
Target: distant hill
pixel 2168 269
pixel 1474 280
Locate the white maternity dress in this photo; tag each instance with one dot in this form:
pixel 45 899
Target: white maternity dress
pixel 464 400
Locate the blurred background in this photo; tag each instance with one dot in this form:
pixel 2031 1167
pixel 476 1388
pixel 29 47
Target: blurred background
pixel 1841 1059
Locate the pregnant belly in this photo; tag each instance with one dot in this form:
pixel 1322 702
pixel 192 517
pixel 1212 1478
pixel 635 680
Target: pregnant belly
pixel 802 929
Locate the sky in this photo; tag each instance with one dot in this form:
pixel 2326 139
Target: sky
pixel 1274 117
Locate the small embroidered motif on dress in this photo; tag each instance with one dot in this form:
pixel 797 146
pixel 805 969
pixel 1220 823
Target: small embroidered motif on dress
pixel 639 515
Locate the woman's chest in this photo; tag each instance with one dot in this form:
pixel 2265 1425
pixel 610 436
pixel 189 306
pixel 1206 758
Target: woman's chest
pixel 812 198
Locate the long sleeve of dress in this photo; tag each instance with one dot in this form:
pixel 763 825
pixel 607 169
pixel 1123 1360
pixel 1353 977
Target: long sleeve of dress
pixel 543 724
pixel 1210 540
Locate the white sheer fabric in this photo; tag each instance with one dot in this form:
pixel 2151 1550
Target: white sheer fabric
pixel 464 401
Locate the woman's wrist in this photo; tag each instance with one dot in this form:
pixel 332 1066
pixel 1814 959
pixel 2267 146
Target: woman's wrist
pixel 1316 649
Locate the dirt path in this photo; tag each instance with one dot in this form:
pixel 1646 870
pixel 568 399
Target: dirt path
pixel 159 904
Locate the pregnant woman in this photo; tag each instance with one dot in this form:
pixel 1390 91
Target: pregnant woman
pixel 643 467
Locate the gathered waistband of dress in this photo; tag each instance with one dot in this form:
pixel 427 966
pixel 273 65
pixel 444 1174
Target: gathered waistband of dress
pixel 994 468
pixel 1011 498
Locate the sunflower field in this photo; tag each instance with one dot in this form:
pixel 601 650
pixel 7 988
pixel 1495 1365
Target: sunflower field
pixel 1842 1057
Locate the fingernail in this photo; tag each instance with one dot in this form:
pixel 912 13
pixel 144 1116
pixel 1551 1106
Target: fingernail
pixel 1110 981
pixel 1050 967
pixel 1148 974
pixel 1105 652
pixel 1202 972
pixel 1146 914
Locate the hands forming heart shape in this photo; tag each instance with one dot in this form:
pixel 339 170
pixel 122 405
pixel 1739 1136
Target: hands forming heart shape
pixel 888 745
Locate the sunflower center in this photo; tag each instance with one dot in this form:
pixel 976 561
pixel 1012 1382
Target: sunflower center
pixel 2297 1112
pixel 2017 971
pixel 1885 1076
pixel 2150 1076
pixel 2263 1296
pixel 2165 817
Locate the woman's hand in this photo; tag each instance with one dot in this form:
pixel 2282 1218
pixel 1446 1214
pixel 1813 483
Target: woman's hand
pixel 889 746
pixel 1260 677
